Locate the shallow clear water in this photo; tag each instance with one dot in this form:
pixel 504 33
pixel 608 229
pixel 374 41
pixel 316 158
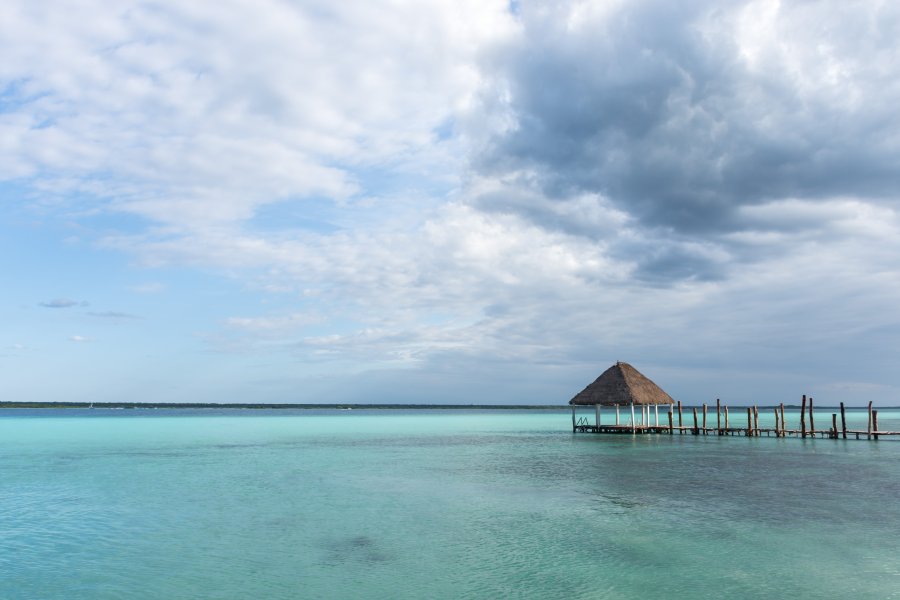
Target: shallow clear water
pixel 436 504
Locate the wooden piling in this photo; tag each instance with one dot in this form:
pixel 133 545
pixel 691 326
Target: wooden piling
pixel 834 429
pixel 704 418
pixel 573 418
pixel 776 421
pixel 718 416
pixel 812 421
pixel 656 411
pixel 749 422
pixel 617 414
pixel 597 415
pixel 726 419
pixel 843 422
pixel 680 424
pixel 696 427
pixel 803 417
pixel 783 424
pixel 875 424
pixel 670 419
pixel 869 426
pixel 756 420
pixel 633 422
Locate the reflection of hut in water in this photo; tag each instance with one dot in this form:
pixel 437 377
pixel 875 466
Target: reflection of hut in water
pixel 622 385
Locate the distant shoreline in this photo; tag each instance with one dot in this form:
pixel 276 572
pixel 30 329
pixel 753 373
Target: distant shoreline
pixel 320 406
pixel 257 406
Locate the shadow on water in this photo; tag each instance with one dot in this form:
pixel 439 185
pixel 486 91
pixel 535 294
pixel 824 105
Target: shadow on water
pixel 357 549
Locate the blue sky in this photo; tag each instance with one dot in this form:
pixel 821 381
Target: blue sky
pixel 448 201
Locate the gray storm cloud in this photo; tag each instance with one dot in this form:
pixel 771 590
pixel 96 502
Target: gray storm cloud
pixel 681 114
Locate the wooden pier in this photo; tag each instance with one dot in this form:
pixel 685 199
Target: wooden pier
pixel 647 422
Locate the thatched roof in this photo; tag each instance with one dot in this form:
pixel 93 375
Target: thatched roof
pixel 622 384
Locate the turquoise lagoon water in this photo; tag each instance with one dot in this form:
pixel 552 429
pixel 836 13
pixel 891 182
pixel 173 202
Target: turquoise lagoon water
pixel 435 504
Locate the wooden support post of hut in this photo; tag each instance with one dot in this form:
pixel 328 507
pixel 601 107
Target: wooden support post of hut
pixel 803 417
pixel 843 422
pixel 623 385
pixel 656 412
pixel 597 415
pixel 573 418
pixel 670 419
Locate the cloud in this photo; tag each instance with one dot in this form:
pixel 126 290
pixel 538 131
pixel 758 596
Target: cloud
pixel 683 114
pixel 62 303
pixel 189 116
pixel 79 339
pixel 111 314
pixel 704 188
pixel 151 287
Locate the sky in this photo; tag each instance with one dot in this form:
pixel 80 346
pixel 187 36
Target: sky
pixel 448 201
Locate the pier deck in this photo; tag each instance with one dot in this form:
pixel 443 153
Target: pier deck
pixel 731 431
pixel 644 424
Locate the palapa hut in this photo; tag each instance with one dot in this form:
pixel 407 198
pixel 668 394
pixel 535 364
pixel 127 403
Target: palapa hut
pixel 621 385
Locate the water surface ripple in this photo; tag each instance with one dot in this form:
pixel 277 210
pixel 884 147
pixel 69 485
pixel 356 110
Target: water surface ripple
pixel 443 504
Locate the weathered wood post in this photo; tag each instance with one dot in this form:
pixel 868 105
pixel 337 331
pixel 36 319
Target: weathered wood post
pixel 783 422
pixel 718 416
pixel 776 420
pixel 756 419
pixel 696 429
pixel 749 422
pixel 875 424
pixel 803 417
pixel 680 424
pixel 843 422
pixel 869 426
pixel 812 421
pixel 834 429
pixel 726 419
pixel 670 419
pixel 704 418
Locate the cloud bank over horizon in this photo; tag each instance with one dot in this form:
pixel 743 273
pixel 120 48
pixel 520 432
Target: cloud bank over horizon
pixel 452 201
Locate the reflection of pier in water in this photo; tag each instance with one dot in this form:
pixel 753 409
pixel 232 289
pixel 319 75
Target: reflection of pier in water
pixel 641 423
